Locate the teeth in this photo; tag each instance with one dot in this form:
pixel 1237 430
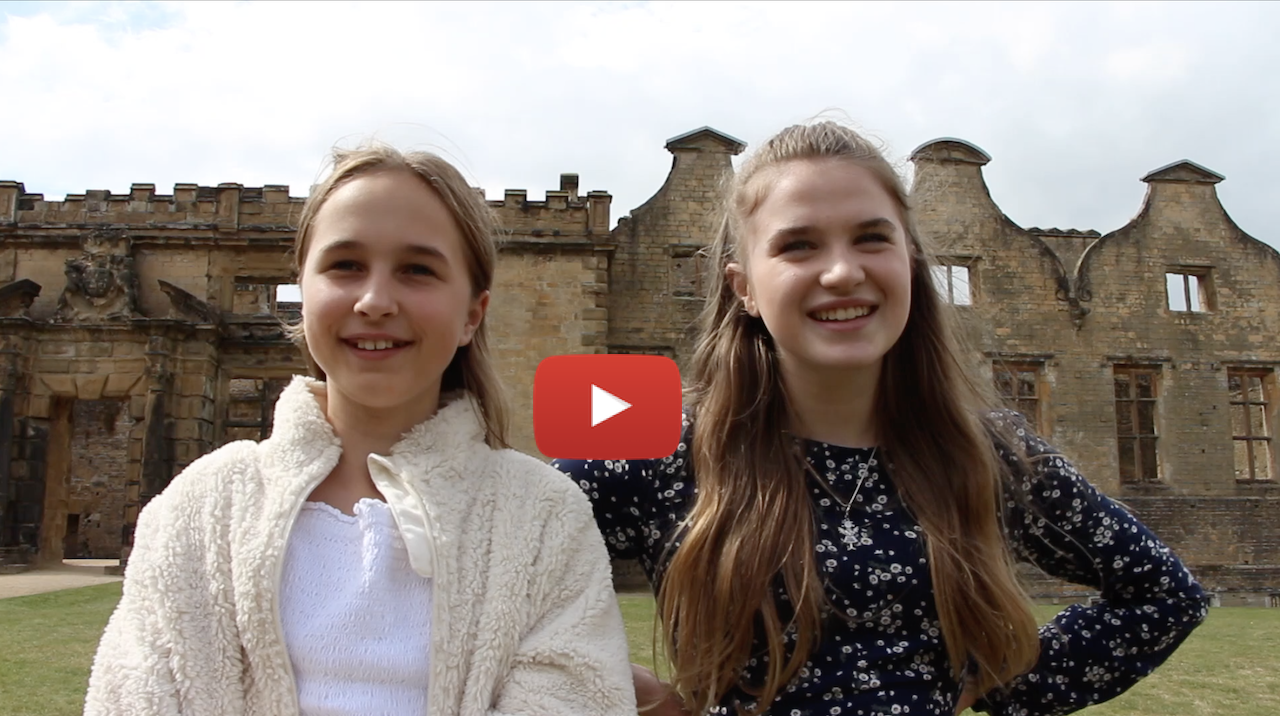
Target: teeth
pixel 843 314
pixel 366 345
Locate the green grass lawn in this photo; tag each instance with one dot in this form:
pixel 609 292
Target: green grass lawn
pixel 46 648
pixel 1231 665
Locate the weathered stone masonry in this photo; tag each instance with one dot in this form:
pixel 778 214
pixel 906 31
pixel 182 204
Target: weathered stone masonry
pixel 1081 314
pixel 139 331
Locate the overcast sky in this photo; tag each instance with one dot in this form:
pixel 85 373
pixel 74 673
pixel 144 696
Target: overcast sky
pixel 1074 102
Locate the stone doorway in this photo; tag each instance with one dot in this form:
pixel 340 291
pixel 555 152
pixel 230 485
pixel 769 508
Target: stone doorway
pixel 85 493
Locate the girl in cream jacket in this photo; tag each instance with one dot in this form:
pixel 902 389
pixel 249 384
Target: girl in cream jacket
pixel 380 552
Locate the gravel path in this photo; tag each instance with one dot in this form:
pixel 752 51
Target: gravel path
pixel 74 573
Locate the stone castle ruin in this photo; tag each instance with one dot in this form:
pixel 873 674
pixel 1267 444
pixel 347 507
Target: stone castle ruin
pixel 139 331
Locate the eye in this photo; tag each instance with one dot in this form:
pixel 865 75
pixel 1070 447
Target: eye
pixel 420 270
pixel 344 265
pixel 874 237
pixel 796 245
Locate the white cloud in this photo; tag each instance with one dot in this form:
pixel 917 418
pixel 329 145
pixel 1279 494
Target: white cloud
pixel 1157 63
pixel 1074 102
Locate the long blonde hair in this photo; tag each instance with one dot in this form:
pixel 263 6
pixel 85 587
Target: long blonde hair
pixel 471 369
pixel 751 525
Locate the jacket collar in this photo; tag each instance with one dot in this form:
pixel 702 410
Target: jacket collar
pixel 301 432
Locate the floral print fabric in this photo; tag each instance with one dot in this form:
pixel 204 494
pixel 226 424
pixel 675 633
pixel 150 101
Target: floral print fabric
pixel 887 656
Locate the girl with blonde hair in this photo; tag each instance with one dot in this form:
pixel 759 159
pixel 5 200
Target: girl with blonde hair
pixel 381 552
pixel 837 531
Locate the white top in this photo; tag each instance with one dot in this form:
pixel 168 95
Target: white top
pixel 356 616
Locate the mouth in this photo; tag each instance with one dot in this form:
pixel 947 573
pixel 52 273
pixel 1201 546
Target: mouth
pixel 848 313
pixel 368 344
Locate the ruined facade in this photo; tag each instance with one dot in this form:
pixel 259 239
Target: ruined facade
pixel 1148 355
pixel 140 331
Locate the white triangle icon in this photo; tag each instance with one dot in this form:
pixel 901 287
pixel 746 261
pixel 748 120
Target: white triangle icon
pixel 605 405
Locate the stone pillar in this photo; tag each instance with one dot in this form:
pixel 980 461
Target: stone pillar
pixel 598 203
pixel 53 519
pixel 27 484
pixel 193 402
pixel 20 501
pixel 157 460
pixel 228 206
pixel 8 382
pixel 9 193
pixel 6 454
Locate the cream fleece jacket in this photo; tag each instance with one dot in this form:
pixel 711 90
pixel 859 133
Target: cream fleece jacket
pixel 523 621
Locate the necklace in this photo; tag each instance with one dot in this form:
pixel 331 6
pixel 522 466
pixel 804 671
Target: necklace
pixel 850 534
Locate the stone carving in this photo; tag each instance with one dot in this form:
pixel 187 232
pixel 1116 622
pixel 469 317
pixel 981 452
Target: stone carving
pixel 159 372
pixel 256 330
pixel 1071 290
pixel 1083 293
pixel 17 296
pixel 101 283
pixel 185 306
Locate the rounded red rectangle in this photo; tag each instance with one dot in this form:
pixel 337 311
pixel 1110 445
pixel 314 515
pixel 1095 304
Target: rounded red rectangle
pixel 607 407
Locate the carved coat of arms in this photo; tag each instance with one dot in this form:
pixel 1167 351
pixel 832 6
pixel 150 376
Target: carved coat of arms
pixel 102 284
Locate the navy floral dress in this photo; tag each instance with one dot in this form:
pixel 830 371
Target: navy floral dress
pixel 890 658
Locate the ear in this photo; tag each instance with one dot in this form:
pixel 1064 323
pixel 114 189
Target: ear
pixel 475 314
pixel 737 276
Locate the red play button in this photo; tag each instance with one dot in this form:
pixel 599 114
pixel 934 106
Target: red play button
pixel 606 407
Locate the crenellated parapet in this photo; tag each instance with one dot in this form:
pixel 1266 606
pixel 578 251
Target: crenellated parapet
pixel 563 217
pixel 225 207
pixel 226 246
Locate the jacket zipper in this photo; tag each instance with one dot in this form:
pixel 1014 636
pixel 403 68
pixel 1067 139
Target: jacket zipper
pixel 407 497
pixel 437 571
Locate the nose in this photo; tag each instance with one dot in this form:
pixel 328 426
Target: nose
pixel 377 299
pixel 843 270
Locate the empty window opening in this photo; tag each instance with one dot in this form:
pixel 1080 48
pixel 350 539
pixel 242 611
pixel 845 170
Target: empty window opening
pixel 1188 291
pixel 952 282
pixel 1251 428
pixel 254 299
pixel 250 404
pixel 1136 436
pixel 266 297
pixel 289 302
pixel 1019 388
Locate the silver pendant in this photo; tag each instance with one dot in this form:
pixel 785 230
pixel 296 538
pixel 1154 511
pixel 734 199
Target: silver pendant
pixel 850 534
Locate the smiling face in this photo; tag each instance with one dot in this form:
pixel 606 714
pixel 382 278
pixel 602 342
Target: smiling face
pixel 386 296
pixel 825 263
